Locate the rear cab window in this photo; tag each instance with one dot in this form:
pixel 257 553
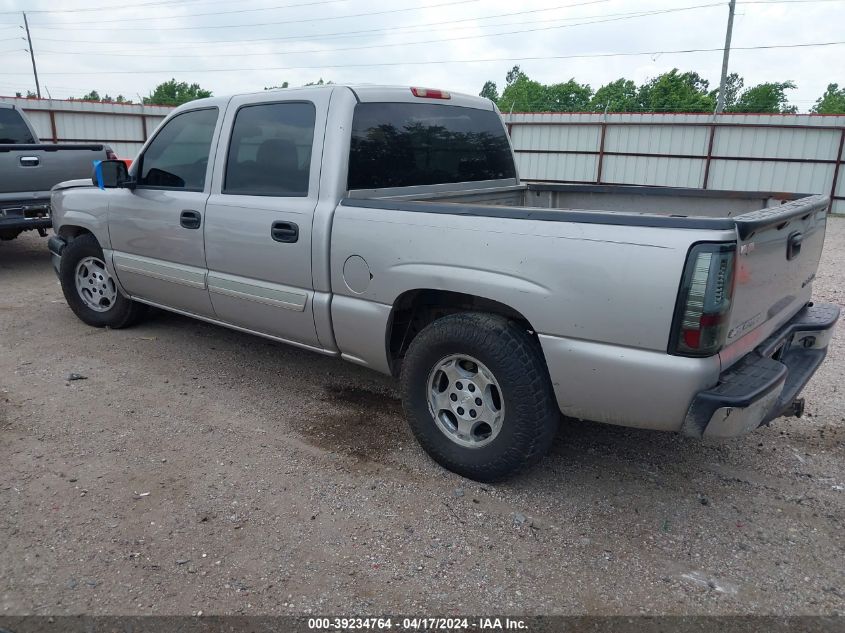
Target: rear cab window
pixel 411 144
pixel 13 129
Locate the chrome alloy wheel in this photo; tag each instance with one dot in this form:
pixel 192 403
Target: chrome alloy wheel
pixel 95 285
pixel 465 401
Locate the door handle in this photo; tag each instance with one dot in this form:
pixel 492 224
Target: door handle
pixel 793 245
pixel 190 219
pixel 29 161
pixel 286 232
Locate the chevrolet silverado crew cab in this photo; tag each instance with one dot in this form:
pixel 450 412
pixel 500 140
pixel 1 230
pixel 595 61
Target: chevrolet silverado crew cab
pixel 29 169
pixel 388 226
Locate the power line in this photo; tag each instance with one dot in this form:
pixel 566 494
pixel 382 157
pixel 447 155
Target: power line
pixel 359 33
pixel 441 61
pixel 389 29
pixel 234 11
pixel 286 22
pixel 123 7
pixel 194 15
pixel 434 41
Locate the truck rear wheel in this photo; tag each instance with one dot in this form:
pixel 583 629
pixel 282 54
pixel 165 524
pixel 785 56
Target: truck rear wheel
pixel 477 396
pixel 89 288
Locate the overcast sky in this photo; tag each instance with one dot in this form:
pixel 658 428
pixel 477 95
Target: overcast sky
pixel 127 48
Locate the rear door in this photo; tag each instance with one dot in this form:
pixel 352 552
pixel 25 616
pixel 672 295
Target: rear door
pixel 259 216
pixel 157 229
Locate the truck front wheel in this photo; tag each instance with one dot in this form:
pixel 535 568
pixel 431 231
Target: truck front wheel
pixel 89 288
pixel 478 397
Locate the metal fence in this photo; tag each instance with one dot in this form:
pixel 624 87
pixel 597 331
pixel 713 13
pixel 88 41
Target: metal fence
pixel 123 127
pixel 737 152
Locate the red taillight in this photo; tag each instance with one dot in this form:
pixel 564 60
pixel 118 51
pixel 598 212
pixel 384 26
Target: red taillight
pixel 428 93
pixel 704 301
pixel 110 155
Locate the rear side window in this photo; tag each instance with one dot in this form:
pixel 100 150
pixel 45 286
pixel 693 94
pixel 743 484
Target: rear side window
pixel 177 158
pixel 12 127
pixel 270 150
pixel 407 144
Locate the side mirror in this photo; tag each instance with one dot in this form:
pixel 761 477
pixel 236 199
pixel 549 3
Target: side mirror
pixel 110 174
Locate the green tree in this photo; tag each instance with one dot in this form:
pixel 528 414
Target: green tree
pixel 513 75
pixel 832 101
pixel 733 86
pixel 569 96
pixel 768 98
pixel 676 92
pixel 526 95
pixel 617 96
pixel 319 82
pixel 95 96
pixel 284 85
pixel 489 91
pixel 174 93
pixel 523 95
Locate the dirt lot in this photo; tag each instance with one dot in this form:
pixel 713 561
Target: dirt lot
pixel 199 469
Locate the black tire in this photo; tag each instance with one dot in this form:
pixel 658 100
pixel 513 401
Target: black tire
pixel 123 312
pixel 531 415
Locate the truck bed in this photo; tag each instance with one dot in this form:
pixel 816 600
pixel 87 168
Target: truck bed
pixel 778 237
pixel 747 211
pixel 625 199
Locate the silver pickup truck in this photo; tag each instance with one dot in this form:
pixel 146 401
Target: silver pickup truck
pixel 29 169
pixel 388 226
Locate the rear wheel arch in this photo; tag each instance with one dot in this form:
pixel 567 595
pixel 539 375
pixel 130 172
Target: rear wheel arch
pixel 414 309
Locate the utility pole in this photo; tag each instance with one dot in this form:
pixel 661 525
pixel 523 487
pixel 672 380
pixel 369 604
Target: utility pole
pixel 32 56
pixel 720 102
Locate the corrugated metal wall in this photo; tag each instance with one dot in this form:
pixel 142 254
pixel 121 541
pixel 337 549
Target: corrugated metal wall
pixel 123 127
pixel 740 152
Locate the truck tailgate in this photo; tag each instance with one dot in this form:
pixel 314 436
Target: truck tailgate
pixel 27 168
pixel 778 252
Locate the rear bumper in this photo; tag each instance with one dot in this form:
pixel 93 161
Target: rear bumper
pixel 23 216
pixel 765 384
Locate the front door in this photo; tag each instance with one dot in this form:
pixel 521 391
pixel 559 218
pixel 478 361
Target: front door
pixel 259 216
pixel 157 229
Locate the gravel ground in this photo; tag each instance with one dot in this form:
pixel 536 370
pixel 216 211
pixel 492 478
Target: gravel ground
pixel 200 469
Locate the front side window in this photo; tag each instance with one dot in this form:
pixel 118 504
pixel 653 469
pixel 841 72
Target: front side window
pixel 12 127
pixel 270 150
pixel 177 158
pixel 407 144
